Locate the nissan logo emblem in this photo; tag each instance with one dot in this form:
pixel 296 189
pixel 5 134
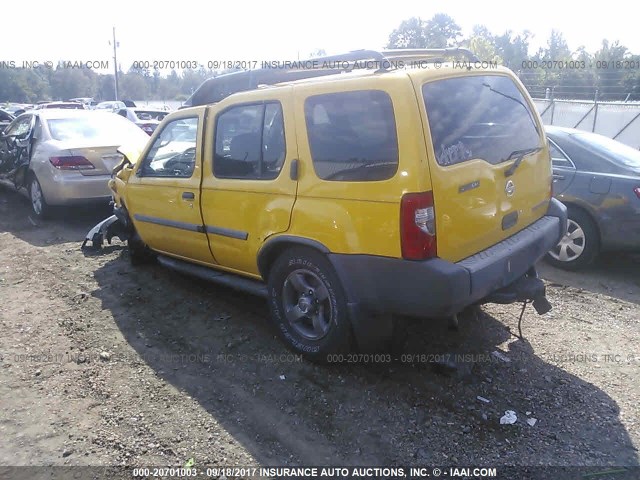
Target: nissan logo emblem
pixel 509 188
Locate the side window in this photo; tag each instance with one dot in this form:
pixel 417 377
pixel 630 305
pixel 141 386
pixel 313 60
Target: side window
pixel 173 153
pixel 352 135
pixel 559 159
pixel 250 142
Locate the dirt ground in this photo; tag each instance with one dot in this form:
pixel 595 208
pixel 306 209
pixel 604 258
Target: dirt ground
pixel 102 363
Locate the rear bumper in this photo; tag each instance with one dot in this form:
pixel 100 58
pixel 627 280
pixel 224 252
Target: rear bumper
pixel 437 287
pixel 74 188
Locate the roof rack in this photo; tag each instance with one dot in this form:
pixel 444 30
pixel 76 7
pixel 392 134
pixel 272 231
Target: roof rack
pixel 433 54
pixel 215 89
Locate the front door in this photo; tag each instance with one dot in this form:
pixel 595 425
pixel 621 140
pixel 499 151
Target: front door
pixel 163 196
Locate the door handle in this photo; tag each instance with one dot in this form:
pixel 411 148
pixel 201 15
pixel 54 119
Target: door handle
pixel 188 195
pixel 293 172
pixel 558 177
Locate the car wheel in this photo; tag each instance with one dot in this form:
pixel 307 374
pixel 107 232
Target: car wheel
pixel 39 206
pixel 308 305
pixel 139 253
pixel 579 246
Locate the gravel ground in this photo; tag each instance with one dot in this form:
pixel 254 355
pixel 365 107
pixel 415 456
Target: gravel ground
pixel 105 364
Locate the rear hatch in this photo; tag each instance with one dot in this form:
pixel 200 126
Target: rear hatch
pixel 489 162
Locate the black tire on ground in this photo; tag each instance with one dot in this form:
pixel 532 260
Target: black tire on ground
pixel 139 253
pixel 308 305
pixel 39 206
pixel 580 246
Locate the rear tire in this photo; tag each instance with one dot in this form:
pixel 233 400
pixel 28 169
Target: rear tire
pixel 308 305
pixel 39 206
pixel 580 245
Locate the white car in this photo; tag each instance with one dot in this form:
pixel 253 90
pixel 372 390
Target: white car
pixel 147 119
pixel 111 106
pixel 65 157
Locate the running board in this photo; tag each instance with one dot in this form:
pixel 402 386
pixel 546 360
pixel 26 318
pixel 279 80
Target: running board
pixel 236 282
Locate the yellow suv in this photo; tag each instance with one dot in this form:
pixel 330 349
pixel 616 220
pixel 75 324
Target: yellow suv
pixel 349 196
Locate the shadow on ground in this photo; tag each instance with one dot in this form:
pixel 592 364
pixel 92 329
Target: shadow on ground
pixel 287 411
pixel 68 224
pixel 614 274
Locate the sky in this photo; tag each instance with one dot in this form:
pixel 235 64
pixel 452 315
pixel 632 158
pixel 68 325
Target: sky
pixel 238 30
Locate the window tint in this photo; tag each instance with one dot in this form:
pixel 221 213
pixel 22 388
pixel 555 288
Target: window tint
pixel 558 159
pixel 173 153
pixel 250 142
pixel 352 135
pixel 478 117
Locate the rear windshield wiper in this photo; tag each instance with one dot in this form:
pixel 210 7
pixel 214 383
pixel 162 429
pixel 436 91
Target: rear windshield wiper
pixel 517 101
pixel 519 156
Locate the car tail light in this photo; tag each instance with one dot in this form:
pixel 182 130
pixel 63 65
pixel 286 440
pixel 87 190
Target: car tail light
pixel 148 128
pixel 418 226
pixel 71 163
pixel 637 191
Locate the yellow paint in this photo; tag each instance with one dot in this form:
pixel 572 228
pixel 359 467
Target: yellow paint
pixel 347 217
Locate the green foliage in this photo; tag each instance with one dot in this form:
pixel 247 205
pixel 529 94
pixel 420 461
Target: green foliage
pixel 30 85
pixel 611 73
pixel 438 32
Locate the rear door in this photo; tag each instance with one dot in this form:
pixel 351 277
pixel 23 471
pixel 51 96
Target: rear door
pixel 163 196
pixel 247 189
pixel 480 126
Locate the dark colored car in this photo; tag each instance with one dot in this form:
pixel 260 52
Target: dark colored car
pixel 598 179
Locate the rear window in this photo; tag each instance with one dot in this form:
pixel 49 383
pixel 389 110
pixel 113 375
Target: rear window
pixel 478 117
pixel 352 135
pixel 150 115
pixel 99 127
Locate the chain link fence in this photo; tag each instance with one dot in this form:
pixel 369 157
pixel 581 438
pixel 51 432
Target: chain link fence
pixel 617 120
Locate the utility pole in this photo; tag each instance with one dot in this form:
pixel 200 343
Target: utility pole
pixel 115 62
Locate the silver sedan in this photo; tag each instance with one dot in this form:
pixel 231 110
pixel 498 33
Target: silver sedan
pixel 65 157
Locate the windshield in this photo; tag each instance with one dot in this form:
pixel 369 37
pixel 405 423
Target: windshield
pixel 478 117
pixel 615 151
pixel 106 128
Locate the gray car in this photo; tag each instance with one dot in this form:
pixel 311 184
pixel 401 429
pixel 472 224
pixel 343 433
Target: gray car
pixel 63 157
pixel 598 179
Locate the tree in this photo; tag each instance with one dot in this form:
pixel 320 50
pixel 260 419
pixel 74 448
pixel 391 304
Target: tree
pixel 410 34
pixel 133 86
pixel 438 32
pixel 482 43
pixel 513 49
pixel 442 31
pixel 557 48
pixel 68 83
pixel 318 52
pixel 610 77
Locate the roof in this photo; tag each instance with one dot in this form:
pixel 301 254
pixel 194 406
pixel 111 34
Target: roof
pixel 358 62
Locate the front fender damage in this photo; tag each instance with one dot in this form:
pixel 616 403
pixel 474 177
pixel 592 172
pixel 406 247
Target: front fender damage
pixel 106 230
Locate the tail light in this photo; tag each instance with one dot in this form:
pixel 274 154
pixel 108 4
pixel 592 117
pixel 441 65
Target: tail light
pixel 148 128
pixel 71 163
pixel 418 226
pixel 637 191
